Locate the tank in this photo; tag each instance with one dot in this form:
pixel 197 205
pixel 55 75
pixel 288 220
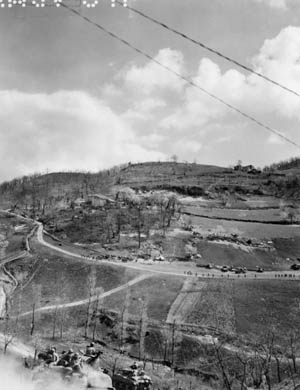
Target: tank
pixel 131 380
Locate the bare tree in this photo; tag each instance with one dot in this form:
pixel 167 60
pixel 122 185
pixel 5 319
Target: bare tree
pixel 37 295
pixel 227 378
pixel 91 290
pixel 54 321
pixel 62 320
pixel 174 158
pixel 143 326
pixel 9 334
pixel 173 342
pixel 293 348
pixel 124 318
pixel 95 312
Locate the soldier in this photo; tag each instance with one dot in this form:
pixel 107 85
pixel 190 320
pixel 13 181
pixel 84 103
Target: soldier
pixel 76 364
pixel 66 358
pixel 90 350
pixel 134 366
pixel 52 357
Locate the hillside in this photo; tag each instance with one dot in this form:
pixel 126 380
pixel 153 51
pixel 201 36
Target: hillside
pixel 184 178
pixel 199 253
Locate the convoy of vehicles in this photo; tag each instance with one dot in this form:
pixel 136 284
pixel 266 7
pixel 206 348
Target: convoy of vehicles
pixel 85 373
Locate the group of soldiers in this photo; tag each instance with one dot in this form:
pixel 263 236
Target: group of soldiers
pixel 69 358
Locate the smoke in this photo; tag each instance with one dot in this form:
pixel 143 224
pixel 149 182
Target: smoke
pixel 13 376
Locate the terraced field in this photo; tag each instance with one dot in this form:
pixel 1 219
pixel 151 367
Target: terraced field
pixel 266 215
pixel 245 229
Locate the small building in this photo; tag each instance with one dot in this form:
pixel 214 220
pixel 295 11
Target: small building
pixel 237 167
pixel 99 200
pixel 247 168
pixel 77 203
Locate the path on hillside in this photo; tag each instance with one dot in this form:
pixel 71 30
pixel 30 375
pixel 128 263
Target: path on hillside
pixel 87 300
pixel 7 288
pixel 184 301
pixel 8 283
pixel 13 258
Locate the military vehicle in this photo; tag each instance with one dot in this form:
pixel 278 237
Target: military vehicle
pixel 88 376
pixel 133 379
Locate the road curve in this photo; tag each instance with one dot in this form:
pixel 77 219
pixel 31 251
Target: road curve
pixel 163 270
pixel 200 273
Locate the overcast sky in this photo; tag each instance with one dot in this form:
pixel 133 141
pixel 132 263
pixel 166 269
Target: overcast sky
pixel 72 97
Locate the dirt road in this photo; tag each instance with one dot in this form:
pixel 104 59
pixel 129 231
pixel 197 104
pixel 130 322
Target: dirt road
pixel 13 258
pixel 91 299
pixel 177 270
pixel 172 269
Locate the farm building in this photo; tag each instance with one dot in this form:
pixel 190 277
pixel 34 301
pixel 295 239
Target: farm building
pixel 78 202
pixel 246 168
pixel 99 200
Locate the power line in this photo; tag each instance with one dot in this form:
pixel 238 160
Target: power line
pixel 192 83
pixel 204 46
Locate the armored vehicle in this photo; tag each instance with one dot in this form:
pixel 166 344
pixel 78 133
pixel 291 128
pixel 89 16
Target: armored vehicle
pixel 133 379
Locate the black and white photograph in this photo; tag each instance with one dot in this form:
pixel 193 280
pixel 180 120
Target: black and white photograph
pixel 150 194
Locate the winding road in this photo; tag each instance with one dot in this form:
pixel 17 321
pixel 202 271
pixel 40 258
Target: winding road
pixel 163 269
pixel 176 270
pixel 169 269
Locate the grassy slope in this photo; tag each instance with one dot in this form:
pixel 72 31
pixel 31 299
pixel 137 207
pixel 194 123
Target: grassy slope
pixel 221 254
pixel 251 230
pixel 248 307
pixel 160 292
pixel 64 279
pixel 266 304
pixel 272 215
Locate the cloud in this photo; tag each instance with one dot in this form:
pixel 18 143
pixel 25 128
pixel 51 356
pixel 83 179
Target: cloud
pixel 153 77
pixel 65 130
pixel 279 4
pixel 144 109
pixel 279 58
pixel 148 114
pixel 110 91
pixel 188 121
pixel 275 139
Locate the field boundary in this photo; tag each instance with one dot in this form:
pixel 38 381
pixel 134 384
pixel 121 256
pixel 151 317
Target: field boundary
pixel 283 222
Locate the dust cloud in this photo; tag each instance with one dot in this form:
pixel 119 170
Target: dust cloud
pixel 13 376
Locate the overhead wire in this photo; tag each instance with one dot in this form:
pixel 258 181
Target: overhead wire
pixel 206 47
pixel 179 75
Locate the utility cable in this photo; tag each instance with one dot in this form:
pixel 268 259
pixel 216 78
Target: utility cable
pixel 214 51
pixel 192 83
